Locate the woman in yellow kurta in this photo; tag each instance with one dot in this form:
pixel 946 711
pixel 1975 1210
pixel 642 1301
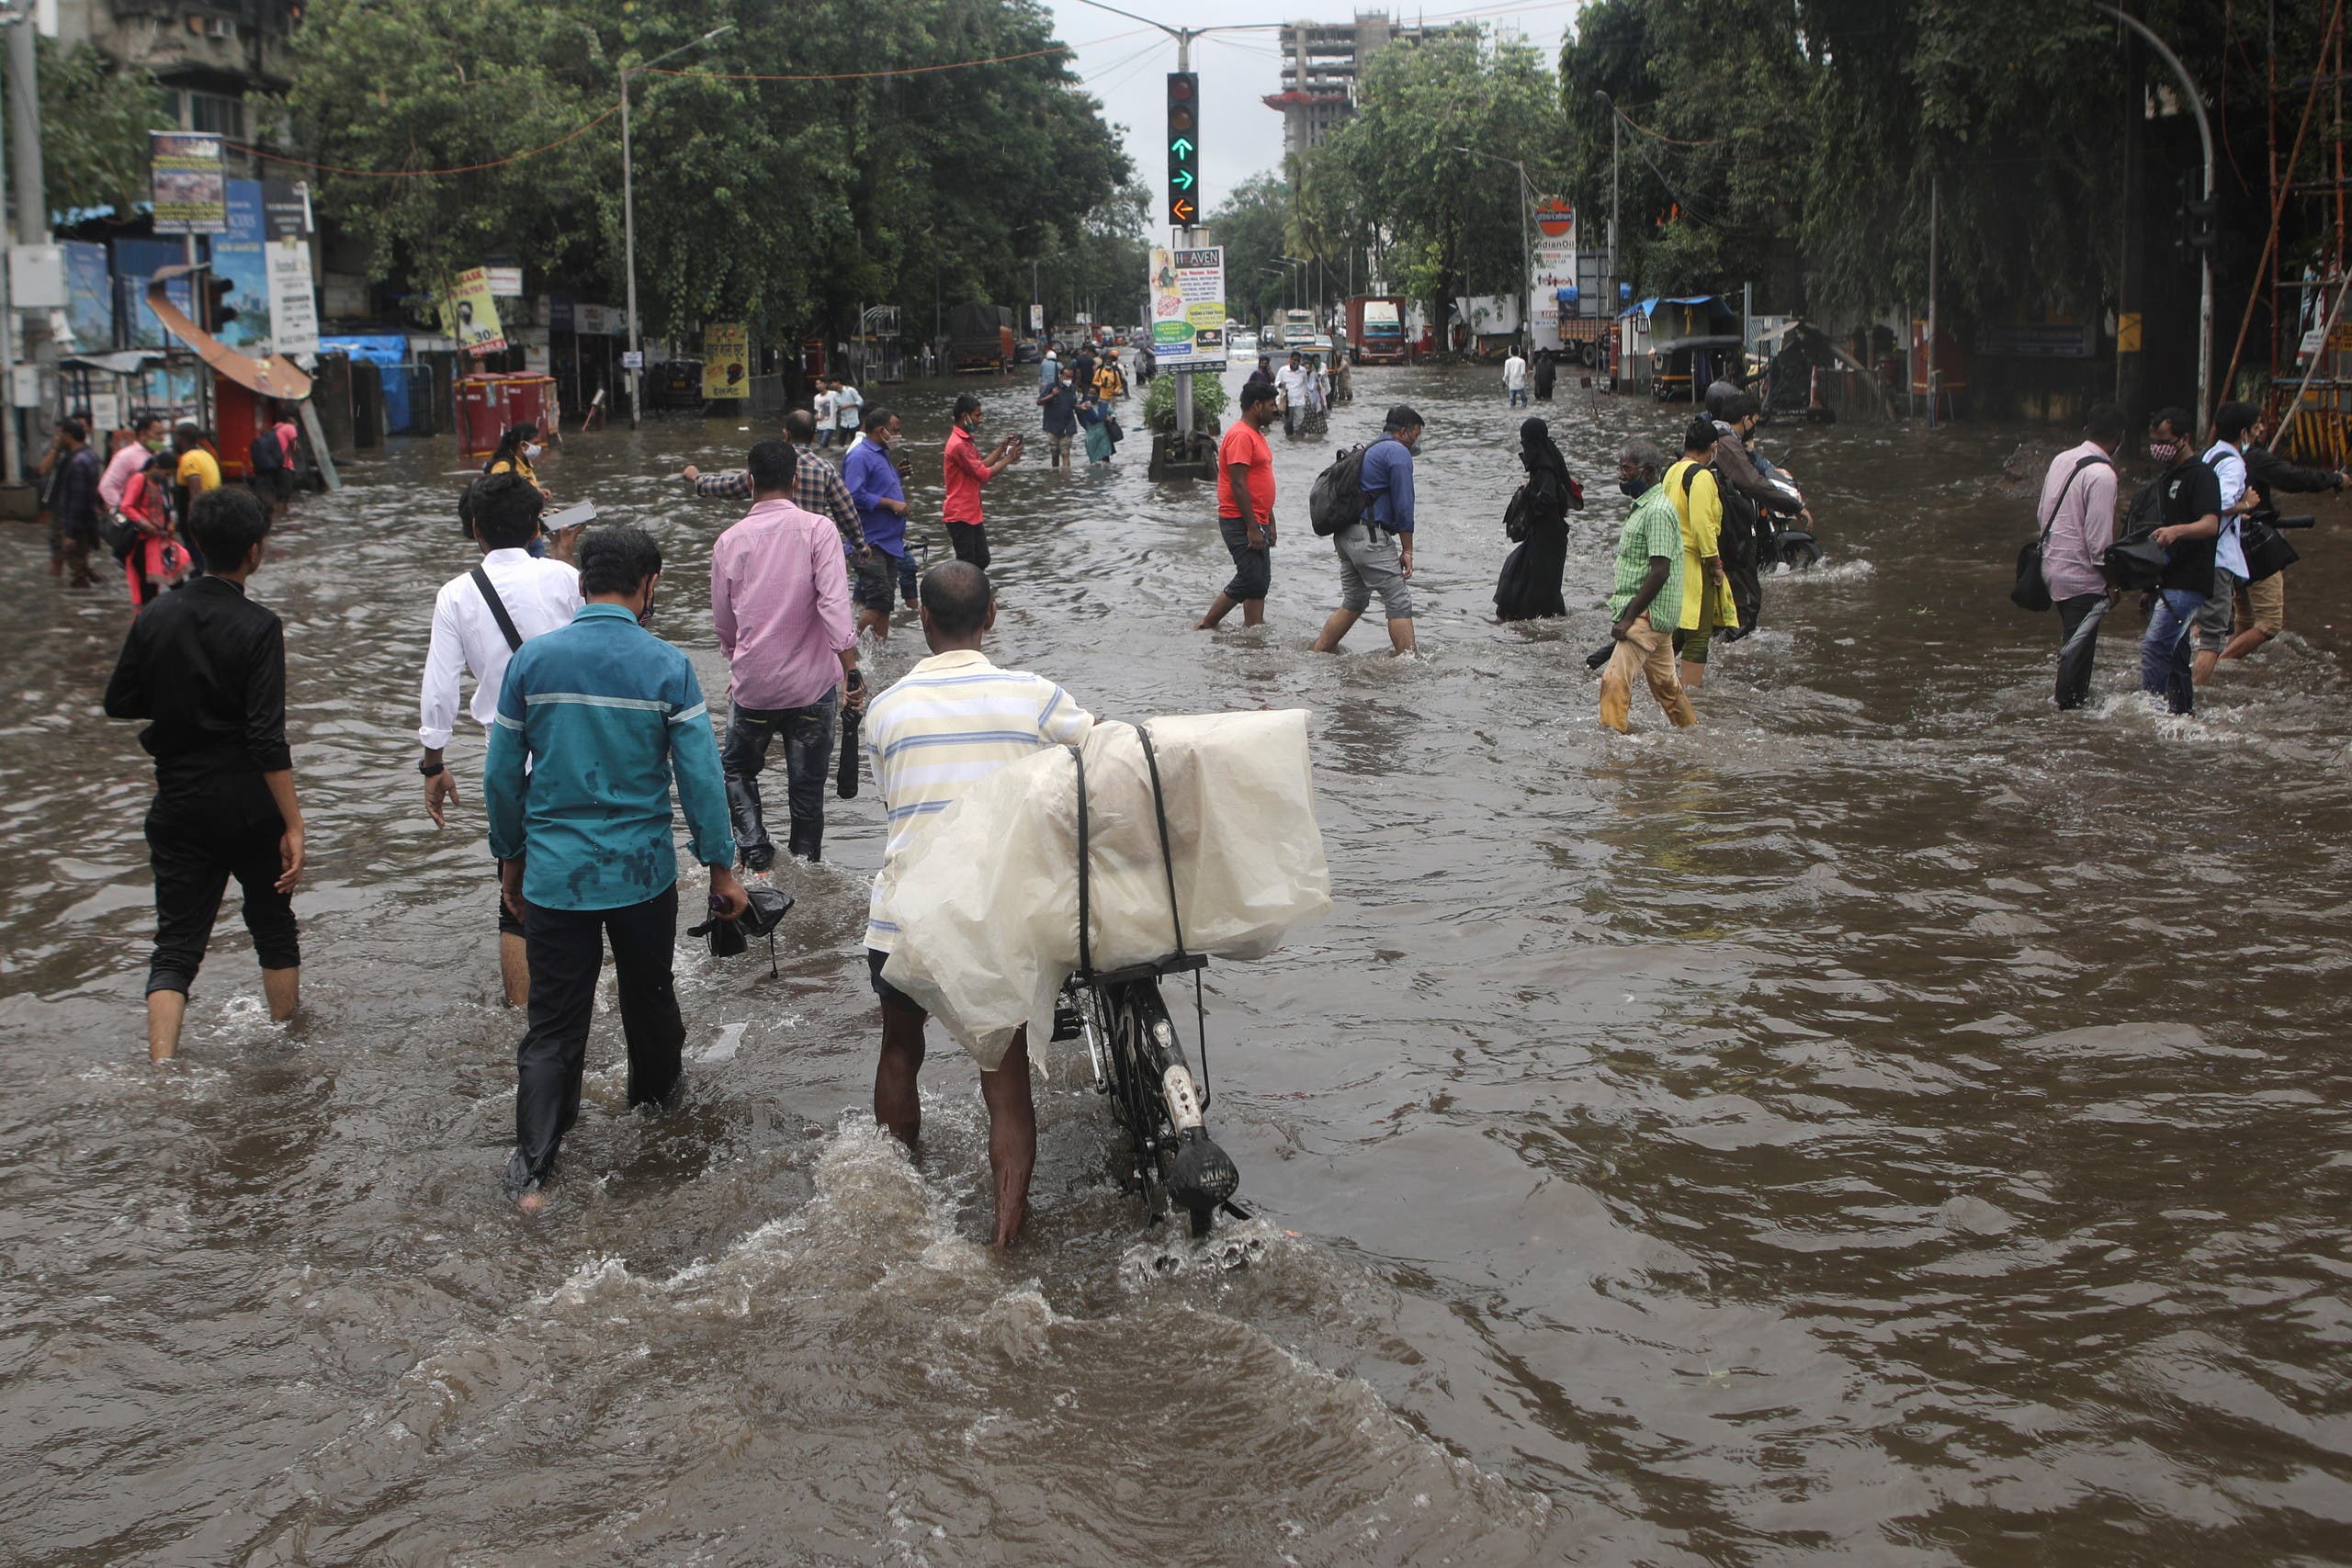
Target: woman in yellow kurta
pixel 1706 596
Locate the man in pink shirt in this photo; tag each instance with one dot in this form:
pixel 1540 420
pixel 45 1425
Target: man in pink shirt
pixel 965 471
pixel 147 439
pixel 780 604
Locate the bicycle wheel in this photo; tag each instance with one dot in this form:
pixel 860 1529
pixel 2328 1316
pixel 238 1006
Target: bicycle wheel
pixel 1176 1159
pixel 1131 1057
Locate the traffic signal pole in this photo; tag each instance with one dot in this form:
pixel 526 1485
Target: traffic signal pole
pixel 1184 242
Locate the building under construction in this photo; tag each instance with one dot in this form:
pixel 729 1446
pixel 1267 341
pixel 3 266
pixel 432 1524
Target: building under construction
pixel 1322 64
pixel 2304 356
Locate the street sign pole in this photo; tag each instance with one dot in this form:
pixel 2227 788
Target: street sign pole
pixel 1184 193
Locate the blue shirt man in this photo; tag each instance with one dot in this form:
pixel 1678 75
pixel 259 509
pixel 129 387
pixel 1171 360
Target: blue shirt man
pixel 879 493
pixel 594 721
pixel 1377 553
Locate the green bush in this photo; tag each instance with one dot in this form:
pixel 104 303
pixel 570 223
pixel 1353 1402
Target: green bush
pixel 1209 400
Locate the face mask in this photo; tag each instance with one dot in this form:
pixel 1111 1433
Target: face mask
pixel 1634 487
pixel 645 616
pixel 154 444
pixel 2163 452
pixel 531 450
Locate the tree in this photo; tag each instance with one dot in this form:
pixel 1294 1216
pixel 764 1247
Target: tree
pixel 1455 217
pixel 95 122
pixel 804 164
pixel 1252 227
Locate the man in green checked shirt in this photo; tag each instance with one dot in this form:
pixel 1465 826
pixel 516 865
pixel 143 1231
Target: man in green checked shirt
pixel 1645 603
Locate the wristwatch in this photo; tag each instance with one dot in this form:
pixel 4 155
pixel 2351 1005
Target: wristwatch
pixel 430 770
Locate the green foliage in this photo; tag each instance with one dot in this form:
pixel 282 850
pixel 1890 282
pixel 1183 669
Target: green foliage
pixel 1250 226
pixel 1209 402
pixel 95 122
pixel 1793 143
pixel 1457 215
pixel 786 204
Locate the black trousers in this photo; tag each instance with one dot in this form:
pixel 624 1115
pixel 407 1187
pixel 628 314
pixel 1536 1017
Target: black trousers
pixel 971 543
pixel 808 735
pixel 2075 672
pixel 198 837
pixel 567 952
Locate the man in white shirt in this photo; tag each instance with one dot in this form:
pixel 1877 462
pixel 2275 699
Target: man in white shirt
pixel 2226 457
pixel 1515 380
pixel 951 721
pixel 477 629
pixel 1293 381
pixel 826 404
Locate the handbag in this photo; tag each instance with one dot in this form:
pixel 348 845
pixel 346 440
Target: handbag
pixel 2267 553
pixel 2134 563
pixel 2031 591
pixel 1515 516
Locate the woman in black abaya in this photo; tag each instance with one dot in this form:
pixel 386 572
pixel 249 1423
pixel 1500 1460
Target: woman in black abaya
pixel 1530 585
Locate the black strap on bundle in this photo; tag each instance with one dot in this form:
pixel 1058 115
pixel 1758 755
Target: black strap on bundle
pixel 1085 941
pixel 1175 915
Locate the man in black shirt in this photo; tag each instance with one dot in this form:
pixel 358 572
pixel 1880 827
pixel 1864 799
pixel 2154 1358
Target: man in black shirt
pixel 206 666
pixel 2192 521
pixel 2262 604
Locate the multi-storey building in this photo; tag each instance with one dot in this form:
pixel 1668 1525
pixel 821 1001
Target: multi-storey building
pixel 1323 63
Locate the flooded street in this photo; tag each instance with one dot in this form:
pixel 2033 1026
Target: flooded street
pixel 1892 1123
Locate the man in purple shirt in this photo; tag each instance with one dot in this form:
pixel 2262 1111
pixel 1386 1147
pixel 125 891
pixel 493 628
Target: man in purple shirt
pixel 780 601
pixel 2078 509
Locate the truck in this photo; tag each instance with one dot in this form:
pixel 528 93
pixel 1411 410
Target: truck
pixel 1376 329
pixel 979 338
pixel 1297 329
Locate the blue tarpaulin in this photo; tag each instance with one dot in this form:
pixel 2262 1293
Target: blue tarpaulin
pixel 389 352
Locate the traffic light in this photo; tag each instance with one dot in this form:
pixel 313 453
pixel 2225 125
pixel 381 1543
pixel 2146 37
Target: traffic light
pixel 1183 148
pixel 218 311
pixel 2202 220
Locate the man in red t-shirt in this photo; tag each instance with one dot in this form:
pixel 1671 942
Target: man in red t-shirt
pixel 966 472
pixel 1245 508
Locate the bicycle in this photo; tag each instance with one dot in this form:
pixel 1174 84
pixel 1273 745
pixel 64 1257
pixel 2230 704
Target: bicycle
pixel 1138 1060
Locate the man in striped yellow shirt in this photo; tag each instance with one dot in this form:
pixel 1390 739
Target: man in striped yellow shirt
pixel 949 722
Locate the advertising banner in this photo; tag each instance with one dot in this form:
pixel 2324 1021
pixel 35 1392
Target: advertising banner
pixel 89 310
pixel 1188 309
pixel 293 308
pixel 239 261
pixel 188 183
pixel 726 359
pixel 469 315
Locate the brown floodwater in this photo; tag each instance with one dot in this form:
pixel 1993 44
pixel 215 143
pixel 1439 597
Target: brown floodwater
pixel 1892 1123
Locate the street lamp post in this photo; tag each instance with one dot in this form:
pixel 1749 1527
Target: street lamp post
pixel 1526 241
pixel 1610 304
pixel 628 222
pixel 2205 135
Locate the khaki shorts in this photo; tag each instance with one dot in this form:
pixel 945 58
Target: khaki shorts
pixel 1370 563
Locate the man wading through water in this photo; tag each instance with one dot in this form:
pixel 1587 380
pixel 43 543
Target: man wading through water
pixel 1377 553
pixel 951 721
pixel 2078 509
pixel 479 618
pixel 1245 513
pixel 2191 501
pixel 594 722
pixel 1645 605
pixel 205 667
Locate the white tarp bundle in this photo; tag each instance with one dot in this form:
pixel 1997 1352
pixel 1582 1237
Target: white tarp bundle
pixel 986 902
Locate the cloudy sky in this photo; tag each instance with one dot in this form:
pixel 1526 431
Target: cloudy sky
pixel 1125 65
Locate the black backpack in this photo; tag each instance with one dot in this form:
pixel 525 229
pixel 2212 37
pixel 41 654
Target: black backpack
pixel 1336 503
pixel 265 455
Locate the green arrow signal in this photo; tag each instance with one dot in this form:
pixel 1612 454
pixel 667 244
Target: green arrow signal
pixel 1183 179
pixel 1181 147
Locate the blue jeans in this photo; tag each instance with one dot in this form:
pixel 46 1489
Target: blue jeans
pixel 808 735
pixel 1519 397
pixel 2163 652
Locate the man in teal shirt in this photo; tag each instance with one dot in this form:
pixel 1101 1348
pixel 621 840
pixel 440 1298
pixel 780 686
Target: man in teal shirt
pixel 593 721
pixel 1645 599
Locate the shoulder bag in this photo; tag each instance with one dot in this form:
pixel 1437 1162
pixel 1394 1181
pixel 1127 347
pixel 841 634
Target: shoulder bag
pixel 2031 591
